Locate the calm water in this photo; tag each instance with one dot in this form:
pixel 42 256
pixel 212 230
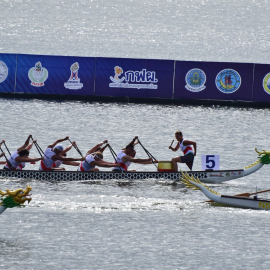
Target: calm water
pixel 142 224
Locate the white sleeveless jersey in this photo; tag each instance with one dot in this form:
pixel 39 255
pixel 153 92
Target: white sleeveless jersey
pixel 124 165
pixel 12 160
pixel 186 148
pixel 58 163
pixel 48 162
pixel 84 166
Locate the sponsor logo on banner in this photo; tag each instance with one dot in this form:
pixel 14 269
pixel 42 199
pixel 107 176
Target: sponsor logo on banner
pixel 133 79
pixel 266 83
pixel 195 80
pixel 38 75
pixel 228 81
pixel 3 71
pixel 74 81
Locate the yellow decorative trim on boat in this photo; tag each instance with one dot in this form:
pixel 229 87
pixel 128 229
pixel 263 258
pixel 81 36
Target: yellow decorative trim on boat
pixel 185 179
pixel 253 164
pixel 264 205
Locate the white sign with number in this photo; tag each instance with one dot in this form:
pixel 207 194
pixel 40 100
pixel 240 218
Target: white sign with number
pixel 210 162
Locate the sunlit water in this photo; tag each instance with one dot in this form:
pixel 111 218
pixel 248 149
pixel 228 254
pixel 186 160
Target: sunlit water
pixel 142 224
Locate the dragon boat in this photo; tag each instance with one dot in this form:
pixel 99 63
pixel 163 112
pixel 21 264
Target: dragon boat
pixel 207 176
pixel 13 198
pixel 240 200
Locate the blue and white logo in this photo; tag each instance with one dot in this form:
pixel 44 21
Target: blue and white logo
pixel 195 80
pixel 133 79
pixel 3 71
pixel 228 81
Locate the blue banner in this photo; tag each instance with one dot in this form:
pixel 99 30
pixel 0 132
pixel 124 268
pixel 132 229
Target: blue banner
pixel 62 75
pixel 262 83
pixel 137 78
pixel 7 72
pixel 134 78
pixel 213 81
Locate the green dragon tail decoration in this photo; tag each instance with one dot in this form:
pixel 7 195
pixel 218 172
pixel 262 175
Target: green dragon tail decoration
pixel 185 179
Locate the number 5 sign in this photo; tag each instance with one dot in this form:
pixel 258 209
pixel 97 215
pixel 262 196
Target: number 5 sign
pixel 210 162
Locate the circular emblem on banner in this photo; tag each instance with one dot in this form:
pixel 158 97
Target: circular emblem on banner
pixel 266 83
pixel 38 75
pixel 3 71
pixel 195 80
pixel 228 81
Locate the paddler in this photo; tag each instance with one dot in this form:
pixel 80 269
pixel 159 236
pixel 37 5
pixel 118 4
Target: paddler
pixel 53 154
pixel 186 147
pixel 18 158
pixel 58 163
pixel 126 156
pixel 1 155
pixel 94 159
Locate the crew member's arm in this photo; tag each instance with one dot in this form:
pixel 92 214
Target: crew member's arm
pixel 28 159
pixel 2 162
pixel 68 148
pixel 175 148
pixel 58 141
pixel 186 142
pixel 25 144
pixel 58 157
pixel 30 145
pixel 133 141
pixel 95 148
pixel 104 164
pixel 149 162
pixel 103 148
pixel 71 163
pixel 136 160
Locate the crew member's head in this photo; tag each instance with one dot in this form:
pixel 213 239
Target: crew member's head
pixel 133 153
pixel 178 135
pixel 129 149
pixel 98 156
pixel 58 148
pixel 23 153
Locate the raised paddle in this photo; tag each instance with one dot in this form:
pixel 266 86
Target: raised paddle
pixel 76 147
pixel 8 162
pixel 171 144
pixel 7 148
pixel 246 194
pixel 115 157
pixel 148 153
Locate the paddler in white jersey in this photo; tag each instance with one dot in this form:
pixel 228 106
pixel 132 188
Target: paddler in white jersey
pixel 126 156
pixel 186 147
pixel 93 159
pixel 58 163
pixel 52 154
pixel 18 158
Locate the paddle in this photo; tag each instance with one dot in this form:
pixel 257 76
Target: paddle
pixel 8 162
pixel 115 157
pixel 40 151
pixel 147 152
pixel 246 194
pixel 77 148
pixel 171 144
pixel 6 148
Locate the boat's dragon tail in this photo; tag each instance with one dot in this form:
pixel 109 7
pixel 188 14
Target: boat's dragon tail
pixel 195 184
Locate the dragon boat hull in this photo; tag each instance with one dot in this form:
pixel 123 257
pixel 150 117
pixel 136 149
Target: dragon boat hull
pixel 245 202
pixel 205 176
